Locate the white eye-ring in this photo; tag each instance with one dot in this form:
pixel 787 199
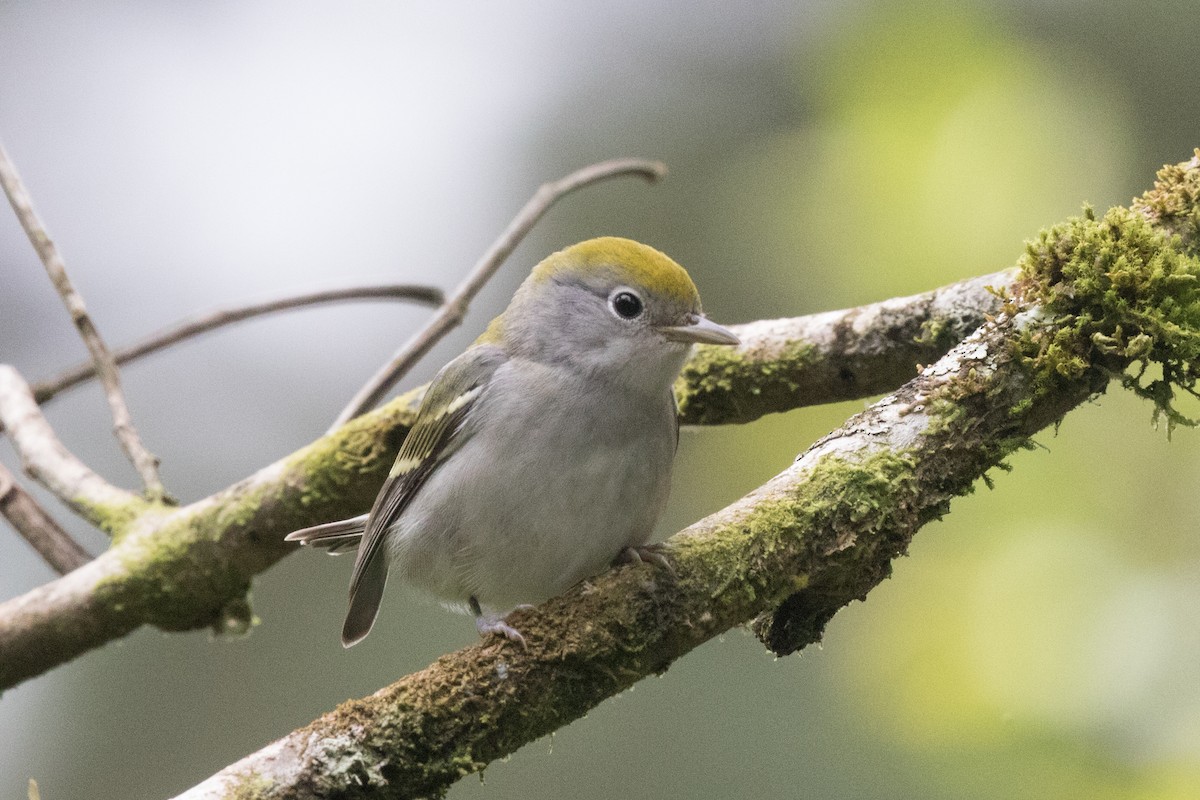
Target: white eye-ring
pixel 626 304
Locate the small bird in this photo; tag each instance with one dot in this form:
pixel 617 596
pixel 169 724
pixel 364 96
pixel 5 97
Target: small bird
pixel 543 453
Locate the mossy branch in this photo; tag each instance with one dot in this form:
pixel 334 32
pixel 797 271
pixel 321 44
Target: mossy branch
pixel 54 466
pixel 836 355
pixel 190 567
pixel 818 535
pixel 1094 297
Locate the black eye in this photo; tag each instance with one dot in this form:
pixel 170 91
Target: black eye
pixel 626 304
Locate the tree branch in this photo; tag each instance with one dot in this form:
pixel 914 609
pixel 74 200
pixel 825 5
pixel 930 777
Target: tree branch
pixel 52 465
pixel 451 314
pixel 180 570
pixel 1093 297
pixel 833 356
pixel 191 567
pixel 29 519
pixel 143 460
pixel 203 323
pixel 824 530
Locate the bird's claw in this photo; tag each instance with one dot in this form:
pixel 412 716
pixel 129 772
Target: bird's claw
pixel 488 624
pixel 647 554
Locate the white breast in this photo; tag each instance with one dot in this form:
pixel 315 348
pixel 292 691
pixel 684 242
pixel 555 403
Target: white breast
pixel 577 482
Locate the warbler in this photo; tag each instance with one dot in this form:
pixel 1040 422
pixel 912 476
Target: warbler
pixel 543 453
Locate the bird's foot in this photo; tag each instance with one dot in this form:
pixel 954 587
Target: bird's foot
pixel 647 554
pixel 493 625
pixel 490 624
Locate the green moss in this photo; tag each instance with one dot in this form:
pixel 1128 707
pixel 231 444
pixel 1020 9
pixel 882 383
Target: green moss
pixel 845 506
pixel 116 518
pixel 850 521
pixel 839 527
pixel 333 463
pixel 178 579
pixel 329 467
pixel 184 569
pixel 1174 202
pixel 177 572
pixel 1116 292
pixel 438 725
pixel 932 331
pixel 725 384
pixel 249 786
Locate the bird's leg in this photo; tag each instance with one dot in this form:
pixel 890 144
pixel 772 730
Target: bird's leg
pixel 646 554
pixel 488 624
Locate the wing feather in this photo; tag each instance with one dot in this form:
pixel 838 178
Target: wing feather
pixel 437 432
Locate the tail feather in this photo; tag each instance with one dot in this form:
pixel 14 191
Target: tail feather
pixel 364 601
pixel 336 537
pixel 367 589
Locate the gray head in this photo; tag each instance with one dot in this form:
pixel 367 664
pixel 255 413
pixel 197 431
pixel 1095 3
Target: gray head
pixel 611 307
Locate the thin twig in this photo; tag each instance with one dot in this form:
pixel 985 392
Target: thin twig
pixel 36 526
pixel 451 314
pixel 143 460
pixel 50 463
pixel 203 323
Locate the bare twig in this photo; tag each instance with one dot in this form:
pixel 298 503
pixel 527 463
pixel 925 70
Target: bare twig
pixel 106 367
pixel 37 527
pixel 451 314
pixel 51 464
pixel 203 323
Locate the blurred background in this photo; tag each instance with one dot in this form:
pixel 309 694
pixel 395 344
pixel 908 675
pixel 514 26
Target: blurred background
pixel 1039 642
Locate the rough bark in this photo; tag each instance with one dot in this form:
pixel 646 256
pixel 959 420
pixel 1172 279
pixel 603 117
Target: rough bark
pixel 190 567
pixel 815 537
pixel 1094 297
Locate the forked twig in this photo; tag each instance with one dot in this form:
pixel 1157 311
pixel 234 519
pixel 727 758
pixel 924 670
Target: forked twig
pixel 143 460
pixel 203 323
pixel 451 314
pixel 36 526
pixel 50 463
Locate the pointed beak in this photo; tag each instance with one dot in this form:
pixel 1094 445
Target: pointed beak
pixel 702 330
